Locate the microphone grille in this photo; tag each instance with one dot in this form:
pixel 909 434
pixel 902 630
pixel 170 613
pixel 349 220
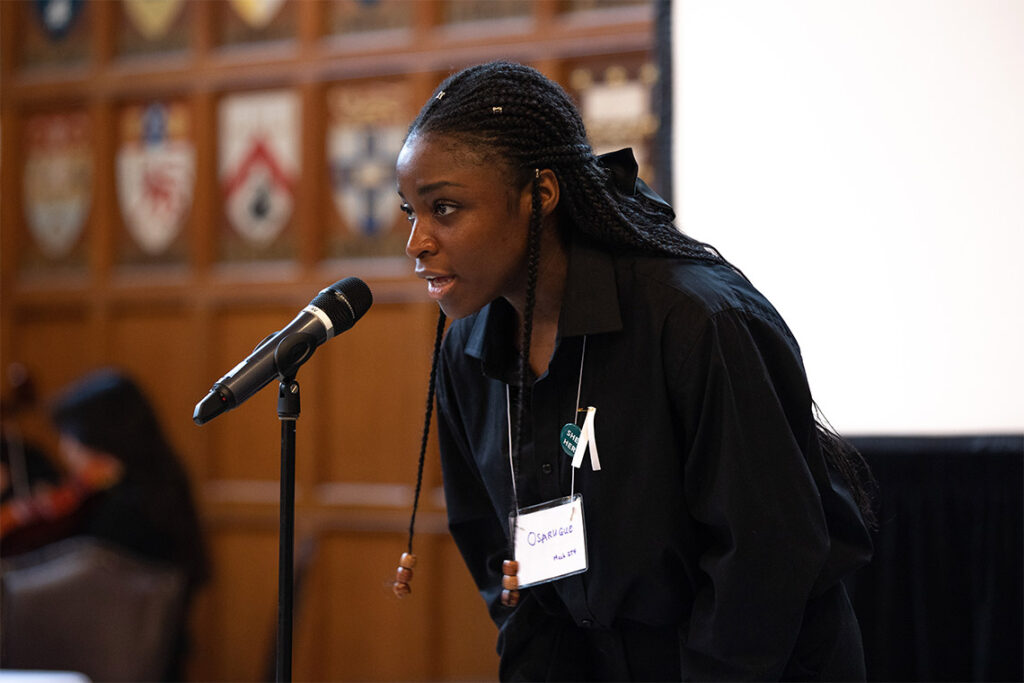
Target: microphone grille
pixel 344 302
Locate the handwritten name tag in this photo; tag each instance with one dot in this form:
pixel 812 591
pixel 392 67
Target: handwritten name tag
pixel 550 541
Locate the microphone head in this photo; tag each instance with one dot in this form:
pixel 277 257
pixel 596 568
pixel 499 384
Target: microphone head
pixel 344 302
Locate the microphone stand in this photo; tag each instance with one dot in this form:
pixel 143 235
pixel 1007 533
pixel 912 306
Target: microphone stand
pixel 288 413
pixel 291 352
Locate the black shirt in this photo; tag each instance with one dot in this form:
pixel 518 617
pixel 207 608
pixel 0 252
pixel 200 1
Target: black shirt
pixel 713 510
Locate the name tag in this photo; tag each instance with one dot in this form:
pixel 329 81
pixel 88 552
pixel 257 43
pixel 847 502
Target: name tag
pixel 550 541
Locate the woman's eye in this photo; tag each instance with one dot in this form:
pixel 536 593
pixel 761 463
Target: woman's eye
pixel 442 209
pixel 407 210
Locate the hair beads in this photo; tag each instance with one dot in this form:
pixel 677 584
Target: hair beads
pixel 403 575
pixel 510 583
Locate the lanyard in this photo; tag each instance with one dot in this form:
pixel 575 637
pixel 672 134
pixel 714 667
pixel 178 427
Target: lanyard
pixel 508 415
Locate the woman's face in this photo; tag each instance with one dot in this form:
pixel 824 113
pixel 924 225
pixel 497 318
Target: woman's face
pixel 468 223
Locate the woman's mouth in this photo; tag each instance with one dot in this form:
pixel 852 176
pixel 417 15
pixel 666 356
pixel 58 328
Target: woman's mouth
pixel 437 287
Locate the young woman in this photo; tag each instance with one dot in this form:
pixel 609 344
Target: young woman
pixel 707 537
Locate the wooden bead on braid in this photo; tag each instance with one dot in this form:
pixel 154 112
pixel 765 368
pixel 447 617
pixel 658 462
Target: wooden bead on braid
pixel 403 575
pixel 510 583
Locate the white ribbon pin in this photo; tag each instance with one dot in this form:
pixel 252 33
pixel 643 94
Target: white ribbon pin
pixel 587 439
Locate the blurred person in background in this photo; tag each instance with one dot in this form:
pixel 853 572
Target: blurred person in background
pixel 139 497
pixel 28 477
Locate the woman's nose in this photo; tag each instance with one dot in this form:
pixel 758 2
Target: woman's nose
pixel 420 243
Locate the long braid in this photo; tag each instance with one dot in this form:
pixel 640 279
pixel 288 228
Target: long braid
pixel 431 387
pixel 403 575
pixel 532 269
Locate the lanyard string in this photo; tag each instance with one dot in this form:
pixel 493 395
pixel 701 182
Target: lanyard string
pixel 575 415
pixel 508 416
pixel 514 517
pixel 511 462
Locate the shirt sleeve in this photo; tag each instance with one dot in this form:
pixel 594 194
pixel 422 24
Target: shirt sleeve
pixel 742 398
pixel 472 520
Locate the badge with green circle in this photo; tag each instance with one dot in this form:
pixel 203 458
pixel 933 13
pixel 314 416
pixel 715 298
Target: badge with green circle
pixel 570 438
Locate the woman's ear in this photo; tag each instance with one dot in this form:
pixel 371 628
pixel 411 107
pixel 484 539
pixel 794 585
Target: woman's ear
pixel 547 186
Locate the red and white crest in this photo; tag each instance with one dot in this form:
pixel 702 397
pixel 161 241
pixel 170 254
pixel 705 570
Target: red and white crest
pixel 155 173
pixel 259 162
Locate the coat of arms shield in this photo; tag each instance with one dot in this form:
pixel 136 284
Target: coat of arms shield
pixel 259 162
pixel 57 180
pixel 155 173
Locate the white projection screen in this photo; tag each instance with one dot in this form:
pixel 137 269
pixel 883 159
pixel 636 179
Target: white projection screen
pixel 863 163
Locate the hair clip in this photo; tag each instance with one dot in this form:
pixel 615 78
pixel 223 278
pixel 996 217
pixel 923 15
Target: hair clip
pixel 495 110
pixel 439 95
pixel 536 174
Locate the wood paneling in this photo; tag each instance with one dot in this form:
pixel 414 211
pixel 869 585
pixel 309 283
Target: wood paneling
pixel 377 441
pixel 243 613
pixel 247 440
pixel 155 343
pixel 180 320
pixel 364 623
pixel 55 343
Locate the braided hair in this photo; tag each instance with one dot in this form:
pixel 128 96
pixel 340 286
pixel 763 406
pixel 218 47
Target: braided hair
pixel 514 114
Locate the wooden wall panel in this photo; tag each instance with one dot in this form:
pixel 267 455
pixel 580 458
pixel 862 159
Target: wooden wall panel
pixel 157 345
pixel 246 441
pixel 350 626
pixel 242 620
pixel 376 391
pixel 466 648
pixel 54 344
pixel 372 635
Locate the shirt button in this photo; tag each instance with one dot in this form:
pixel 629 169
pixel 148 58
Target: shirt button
pixel 586 622
pixel 546 468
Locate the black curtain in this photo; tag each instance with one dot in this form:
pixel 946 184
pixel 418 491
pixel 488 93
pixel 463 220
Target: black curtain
pixel 942 598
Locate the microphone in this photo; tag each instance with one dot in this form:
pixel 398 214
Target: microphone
pixel 333 311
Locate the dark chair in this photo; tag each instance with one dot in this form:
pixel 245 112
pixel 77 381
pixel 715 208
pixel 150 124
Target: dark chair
pixel 86 606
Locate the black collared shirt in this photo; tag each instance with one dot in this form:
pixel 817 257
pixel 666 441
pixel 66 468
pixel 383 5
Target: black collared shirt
pixel 713 510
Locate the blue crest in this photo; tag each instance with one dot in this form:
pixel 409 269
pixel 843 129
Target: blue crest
pixel 58 16
pixel 363 177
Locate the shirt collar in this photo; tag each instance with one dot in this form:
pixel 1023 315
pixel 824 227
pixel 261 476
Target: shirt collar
pixel 590 306
pixel 591 301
